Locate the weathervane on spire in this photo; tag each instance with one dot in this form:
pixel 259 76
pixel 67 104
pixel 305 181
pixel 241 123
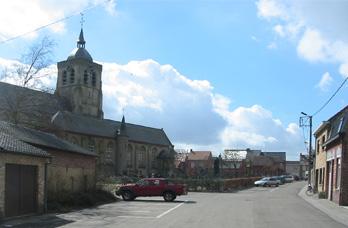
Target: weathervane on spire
pixel 82 20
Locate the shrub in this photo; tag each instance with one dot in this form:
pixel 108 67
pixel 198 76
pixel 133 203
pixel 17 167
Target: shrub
pixel 322 195
pixel 65 200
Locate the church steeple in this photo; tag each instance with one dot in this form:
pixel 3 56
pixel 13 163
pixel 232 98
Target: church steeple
pixel 123 127
pixel 81 41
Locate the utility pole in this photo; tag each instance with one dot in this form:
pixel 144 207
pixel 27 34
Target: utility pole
pixel 310 156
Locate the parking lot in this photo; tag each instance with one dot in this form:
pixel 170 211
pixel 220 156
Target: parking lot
pixel 254 207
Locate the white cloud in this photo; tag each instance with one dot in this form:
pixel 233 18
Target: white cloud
pixel 318 29
pixel 271 9
pixel 190 111
pixel 18 17
pixel 325 82
pixel 272 45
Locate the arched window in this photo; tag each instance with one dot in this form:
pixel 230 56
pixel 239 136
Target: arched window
pixel 154 153
pixel 74 140
pixel 109 150
pixel 94 79
pixel 64 77
pixel 85 77
pixel 72 76
pixel 129 156
pixel 141 157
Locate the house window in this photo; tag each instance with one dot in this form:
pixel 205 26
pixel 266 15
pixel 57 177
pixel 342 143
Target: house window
pixel 72 76
pixel 320 176
pixel 94 79
pixel 318 146
pixel 64 77
pixel 85 77
pixel 338 173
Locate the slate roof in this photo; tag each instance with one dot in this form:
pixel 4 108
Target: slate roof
pixel 281 155
pixel 10 144
pixel 39 138
pixel 198 155
pixel 74 123
pixel 338 124
pixel 32 105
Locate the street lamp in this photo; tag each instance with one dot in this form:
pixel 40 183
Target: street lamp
pixel 310 157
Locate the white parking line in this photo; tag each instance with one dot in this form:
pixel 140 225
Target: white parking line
pixel 274 189
pixel 172 209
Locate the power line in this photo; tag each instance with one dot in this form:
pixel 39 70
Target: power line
pixel 328 101
pixel 54 22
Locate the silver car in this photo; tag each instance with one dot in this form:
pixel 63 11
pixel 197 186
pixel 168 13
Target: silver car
pixel 267 181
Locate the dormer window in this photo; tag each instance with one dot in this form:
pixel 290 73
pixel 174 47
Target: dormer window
pixel 94 79
pixel 64 77
pixel 85 77
pixel 72 76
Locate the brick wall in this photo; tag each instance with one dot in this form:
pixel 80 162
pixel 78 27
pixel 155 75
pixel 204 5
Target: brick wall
pixel 344 173
pixel 6 158
pixel 70 172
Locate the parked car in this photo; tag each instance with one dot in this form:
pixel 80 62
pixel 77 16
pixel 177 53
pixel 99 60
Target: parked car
pixel 280 179
pixel 267 181
pixel 152 187
pixel 289 178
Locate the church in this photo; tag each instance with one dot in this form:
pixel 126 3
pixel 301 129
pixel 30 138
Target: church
pixel 75 113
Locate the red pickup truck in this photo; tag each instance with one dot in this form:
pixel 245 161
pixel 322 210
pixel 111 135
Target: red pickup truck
pixel 152 187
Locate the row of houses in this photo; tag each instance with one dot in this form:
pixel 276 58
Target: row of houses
pixel 330 171
pixel 233 163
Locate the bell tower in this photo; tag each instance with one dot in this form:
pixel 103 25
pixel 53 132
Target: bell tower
pixel 79 81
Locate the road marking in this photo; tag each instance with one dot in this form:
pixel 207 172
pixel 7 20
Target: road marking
pixel 172 209
pixel 130 216
pixel 274 189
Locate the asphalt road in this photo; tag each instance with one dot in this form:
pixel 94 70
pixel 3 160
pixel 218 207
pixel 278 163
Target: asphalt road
pixel 252 208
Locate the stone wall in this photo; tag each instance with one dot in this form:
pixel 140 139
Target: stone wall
pixel 9 158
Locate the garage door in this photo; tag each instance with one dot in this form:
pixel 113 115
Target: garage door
pixel 20 189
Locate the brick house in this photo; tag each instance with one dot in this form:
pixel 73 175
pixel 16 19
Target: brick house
pixel 293 168
pixel 336 158
pixel 321 135
pixel 71 168
pixel 199 163
pixel 266 163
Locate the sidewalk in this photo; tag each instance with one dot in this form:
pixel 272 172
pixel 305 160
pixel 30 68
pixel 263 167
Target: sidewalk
pixel 338 213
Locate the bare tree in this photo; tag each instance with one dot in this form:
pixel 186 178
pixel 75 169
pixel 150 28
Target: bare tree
pixel 234 157
pixel 22 105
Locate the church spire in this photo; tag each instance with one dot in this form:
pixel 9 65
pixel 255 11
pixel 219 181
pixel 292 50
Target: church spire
pixel 81 41
pixel 123 127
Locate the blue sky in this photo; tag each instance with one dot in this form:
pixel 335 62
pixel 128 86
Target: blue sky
pixel 213 74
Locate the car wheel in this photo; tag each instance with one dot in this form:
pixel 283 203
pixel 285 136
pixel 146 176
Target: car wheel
pixel 169 196
pixel 127 196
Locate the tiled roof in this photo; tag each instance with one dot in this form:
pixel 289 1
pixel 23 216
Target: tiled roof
pixel 70 122
pixel 40 138
pixel 199 155
pixel 10 144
